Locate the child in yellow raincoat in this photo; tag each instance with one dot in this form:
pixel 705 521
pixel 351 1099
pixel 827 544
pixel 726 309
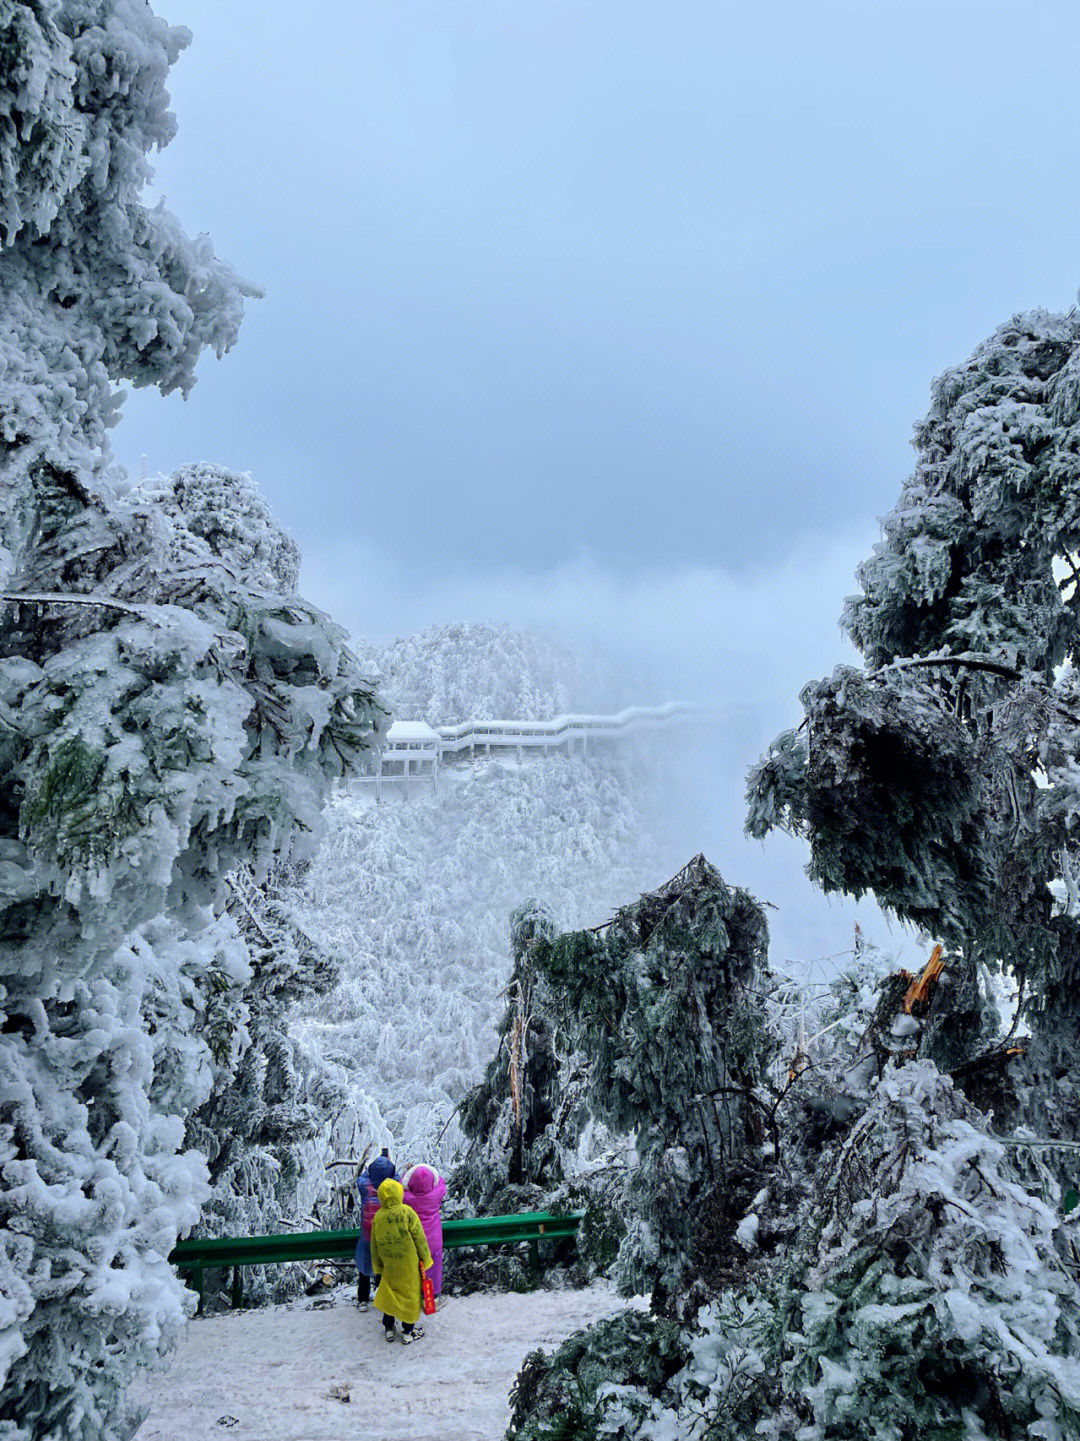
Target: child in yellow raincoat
pixel 399 1249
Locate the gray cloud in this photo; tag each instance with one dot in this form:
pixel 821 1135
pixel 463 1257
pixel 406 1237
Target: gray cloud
pixel 669 282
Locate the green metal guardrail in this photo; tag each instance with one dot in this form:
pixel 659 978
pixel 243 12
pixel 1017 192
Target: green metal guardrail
pixel 196 1256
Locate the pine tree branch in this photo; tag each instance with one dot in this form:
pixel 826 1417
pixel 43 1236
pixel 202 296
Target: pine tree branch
pixel 252 917
pixel 961 662
pixel 1034 1141
pixel 449 1118
pixel 48 597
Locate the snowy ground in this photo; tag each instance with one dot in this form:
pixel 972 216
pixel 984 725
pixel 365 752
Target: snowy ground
pixel 312 1372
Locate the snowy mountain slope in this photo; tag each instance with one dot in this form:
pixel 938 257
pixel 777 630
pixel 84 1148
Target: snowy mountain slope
pixel 453 673
pixel 414 897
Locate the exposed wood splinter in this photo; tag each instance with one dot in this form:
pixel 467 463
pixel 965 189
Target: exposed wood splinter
pixel 920 990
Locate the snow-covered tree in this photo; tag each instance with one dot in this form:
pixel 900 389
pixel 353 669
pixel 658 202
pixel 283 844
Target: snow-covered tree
pixel 169 708
pixel 266 1128
pixel 516 1106
pixel 943 777
pixel 414 898
pixel 925 1287
pixel 530 1141
pixel 454 673
pixel 930 1299
pixel 663 1003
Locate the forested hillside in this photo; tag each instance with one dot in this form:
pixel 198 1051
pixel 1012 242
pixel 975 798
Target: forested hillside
pixel 414 897
pixel 454 673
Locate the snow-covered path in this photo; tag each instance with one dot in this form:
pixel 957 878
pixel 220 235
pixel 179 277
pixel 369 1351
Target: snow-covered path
pixel 282 1373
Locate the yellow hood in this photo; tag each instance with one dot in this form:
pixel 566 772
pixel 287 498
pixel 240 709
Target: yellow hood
pixel 391 1192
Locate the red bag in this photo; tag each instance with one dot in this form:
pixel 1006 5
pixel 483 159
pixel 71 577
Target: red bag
pixel 428 1291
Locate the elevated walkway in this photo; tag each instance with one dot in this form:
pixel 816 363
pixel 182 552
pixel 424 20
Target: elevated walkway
pixel 414 751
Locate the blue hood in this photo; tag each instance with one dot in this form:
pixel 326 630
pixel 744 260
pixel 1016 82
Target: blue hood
pixel 381 1169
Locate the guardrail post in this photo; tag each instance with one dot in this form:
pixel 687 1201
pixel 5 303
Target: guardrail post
pixel 237 1287
pixel 534 1256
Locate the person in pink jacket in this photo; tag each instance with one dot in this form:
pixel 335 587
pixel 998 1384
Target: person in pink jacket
pixel 424 1192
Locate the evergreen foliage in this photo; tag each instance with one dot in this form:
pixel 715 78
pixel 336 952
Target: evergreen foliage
pixel 921 1288
pixel 942 778
pixel 266 1129
pixel 931 1302
pixel 663 1004
pixel 514 1108
pixel 557 1397
pixel 531 1144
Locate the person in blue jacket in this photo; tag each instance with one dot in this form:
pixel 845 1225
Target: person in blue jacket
pixel 367 1185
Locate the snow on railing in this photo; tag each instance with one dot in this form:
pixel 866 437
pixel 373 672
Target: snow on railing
pixel 414 750
pixel 560 730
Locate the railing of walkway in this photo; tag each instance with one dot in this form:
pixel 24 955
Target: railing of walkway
pixel 192 1258
pixel 414 751
pixel 560 731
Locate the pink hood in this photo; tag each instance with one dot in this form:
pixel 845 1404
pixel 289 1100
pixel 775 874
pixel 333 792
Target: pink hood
pixel 424 1192
pixel 421 1180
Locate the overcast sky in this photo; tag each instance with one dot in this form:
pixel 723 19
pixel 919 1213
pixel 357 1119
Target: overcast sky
pixel 610 316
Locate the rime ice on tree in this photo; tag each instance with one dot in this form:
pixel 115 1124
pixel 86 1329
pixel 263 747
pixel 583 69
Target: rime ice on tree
pixel 169 708
pixel 944 776
pixel 927 1284
pixel 663 1004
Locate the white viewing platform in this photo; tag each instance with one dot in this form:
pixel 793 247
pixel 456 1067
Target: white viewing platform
pixel 410 753
pixel 414 751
